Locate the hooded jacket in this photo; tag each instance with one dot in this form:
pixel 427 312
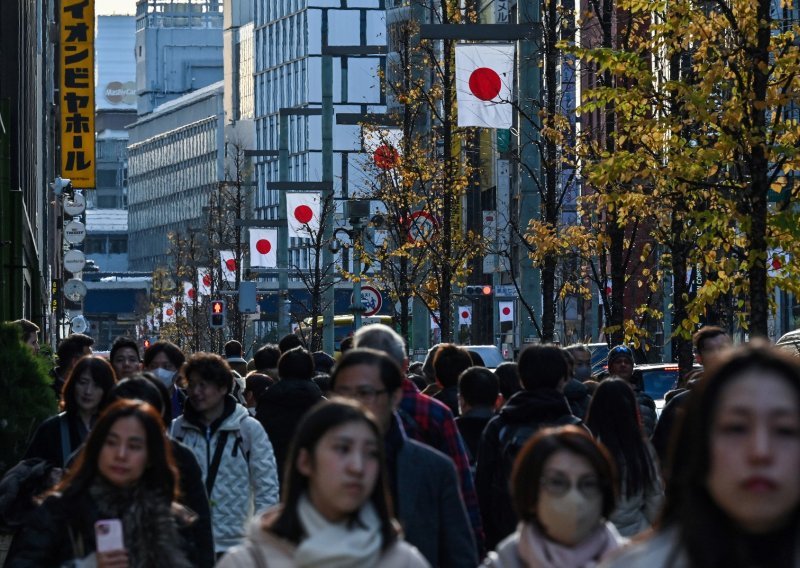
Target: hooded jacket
pixel 247 479
pixel 280 409
pixel 531 410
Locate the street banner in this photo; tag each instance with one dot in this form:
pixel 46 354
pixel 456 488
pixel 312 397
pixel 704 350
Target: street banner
pixel 505 311
pixel 76 92
pixel 189 293
pixel 484 77
pixel 168 312
pixel 302 214
pixel 228 265
pixel 464 315
pixel 263 248
pixel 204 281
pixel 385 146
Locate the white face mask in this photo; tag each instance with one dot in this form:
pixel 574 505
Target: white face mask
pixel 570 518
pixel 164 375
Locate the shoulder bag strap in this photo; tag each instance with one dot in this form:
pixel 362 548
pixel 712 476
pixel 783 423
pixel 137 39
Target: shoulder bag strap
pixel 65 445
pixel 214 467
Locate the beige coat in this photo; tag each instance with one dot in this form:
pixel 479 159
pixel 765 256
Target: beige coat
pixel 262 549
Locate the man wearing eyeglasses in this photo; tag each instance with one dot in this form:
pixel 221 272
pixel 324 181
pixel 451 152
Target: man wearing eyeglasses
pixel 620 364
pixel 423 482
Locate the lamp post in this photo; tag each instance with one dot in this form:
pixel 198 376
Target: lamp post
pixel 357 212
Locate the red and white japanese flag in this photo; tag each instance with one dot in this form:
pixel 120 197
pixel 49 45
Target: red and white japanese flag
pixel 263 248
pixel 302 214
pixel 204 281
pixel 484 77
pixel 168 312
pixel 505 311
pixel 227 261
pixel 465 315
pixel 189 293
pixel 384 147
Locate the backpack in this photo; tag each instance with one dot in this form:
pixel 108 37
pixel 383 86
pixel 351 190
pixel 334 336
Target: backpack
pixel 512 437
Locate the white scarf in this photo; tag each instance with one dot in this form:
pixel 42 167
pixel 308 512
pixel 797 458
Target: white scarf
pixel 338 545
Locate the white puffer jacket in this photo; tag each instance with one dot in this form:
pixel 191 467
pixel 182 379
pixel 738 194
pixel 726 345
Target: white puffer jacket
pixel 247 479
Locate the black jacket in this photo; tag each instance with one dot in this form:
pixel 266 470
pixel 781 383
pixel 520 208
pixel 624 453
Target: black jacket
pixel 471 426
pixel 525 411
pixel 449 396
pixel 193 495
pixel 578 397
pixel 46 441
pixel 280 409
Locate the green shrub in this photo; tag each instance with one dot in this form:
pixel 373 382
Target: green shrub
pixel 26 395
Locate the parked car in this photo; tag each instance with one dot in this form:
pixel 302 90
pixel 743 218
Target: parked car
pixel 658 379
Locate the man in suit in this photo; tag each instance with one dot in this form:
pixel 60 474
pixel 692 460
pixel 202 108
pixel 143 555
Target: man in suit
pixel 423 482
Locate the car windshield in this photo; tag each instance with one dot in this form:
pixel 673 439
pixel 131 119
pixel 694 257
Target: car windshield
pixel 658 381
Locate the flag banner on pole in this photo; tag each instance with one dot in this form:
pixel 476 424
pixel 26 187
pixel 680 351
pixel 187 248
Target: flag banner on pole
pixel 465 315
pixel 228 265
pixel 435 320
pixel 506 311
pixel 484 77
pixel 263 248
pixel 302 214
pixel 384 146
pixel 168 312
pixel 204 281
pixel 189 293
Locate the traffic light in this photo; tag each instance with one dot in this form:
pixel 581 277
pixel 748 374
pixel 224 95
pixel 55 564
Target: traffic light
pixel 478 290
pixel 219 311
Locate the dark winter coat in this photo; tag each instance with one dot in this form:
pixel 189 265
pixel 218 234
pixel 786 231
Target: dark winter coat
pixel 62 529
pixel 578 397
pixel 280 409
pixel 449 396
pixel 194 496
pixel 525 411
pixel 46 441
pixel 471 426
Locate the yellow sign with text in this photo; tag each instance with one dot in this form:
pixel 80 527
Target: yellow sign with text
pixel 77 92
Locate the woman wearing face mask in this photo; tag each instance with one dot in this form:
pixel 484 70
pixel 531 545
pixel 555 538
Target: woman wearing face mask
pixel 84 396
pixel 614 420
pixel 335 511
pixel 126 473
pixel 164 360
pixel 733 498
pixel 563 489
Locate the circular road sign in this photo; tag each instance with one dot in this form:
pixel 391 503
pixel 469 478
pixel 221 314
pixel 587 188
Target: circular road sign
pixel 76 206
pixel 79 324
pixel 371 299
pixel 74 232
pixel 421 226
pixel 75 290
pixel 74 260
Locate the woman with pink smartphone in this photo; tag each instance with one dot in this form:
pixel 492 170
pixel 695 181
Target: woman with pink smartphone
pixel 115 508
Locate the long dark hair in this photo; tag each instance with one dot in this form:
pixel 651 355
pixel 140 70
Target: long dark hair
pixel 613 418
pixel 102 374
pixel 320 419
pixel 709 536
pixel 528 467
pixel 160 475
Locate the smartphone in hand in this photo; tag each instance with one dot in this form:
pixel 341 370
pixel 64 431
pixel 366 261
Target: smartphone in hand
pixel 108 535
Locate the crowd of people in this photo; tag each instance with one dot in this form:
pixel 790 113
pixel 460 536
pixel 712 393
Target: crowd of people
pixel 297 459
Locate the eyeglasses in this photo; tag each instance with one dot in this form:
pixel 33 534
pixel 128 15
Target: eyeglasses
pixel 363 394
pixel 560 485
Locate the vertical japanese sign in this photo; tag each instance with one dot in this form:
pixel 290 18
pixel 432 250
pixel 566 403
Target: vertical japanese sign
pixel 77 92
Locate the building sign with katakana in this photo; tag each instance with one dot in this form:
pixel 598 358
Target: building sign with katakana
pixel 77 92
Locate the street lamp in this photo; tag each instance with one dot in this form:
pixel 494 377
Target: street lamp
pixel 357 211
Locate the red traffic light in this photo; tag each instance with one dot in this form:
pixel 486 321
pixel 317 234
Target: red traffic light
pixel 486 290
pixel 217 307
